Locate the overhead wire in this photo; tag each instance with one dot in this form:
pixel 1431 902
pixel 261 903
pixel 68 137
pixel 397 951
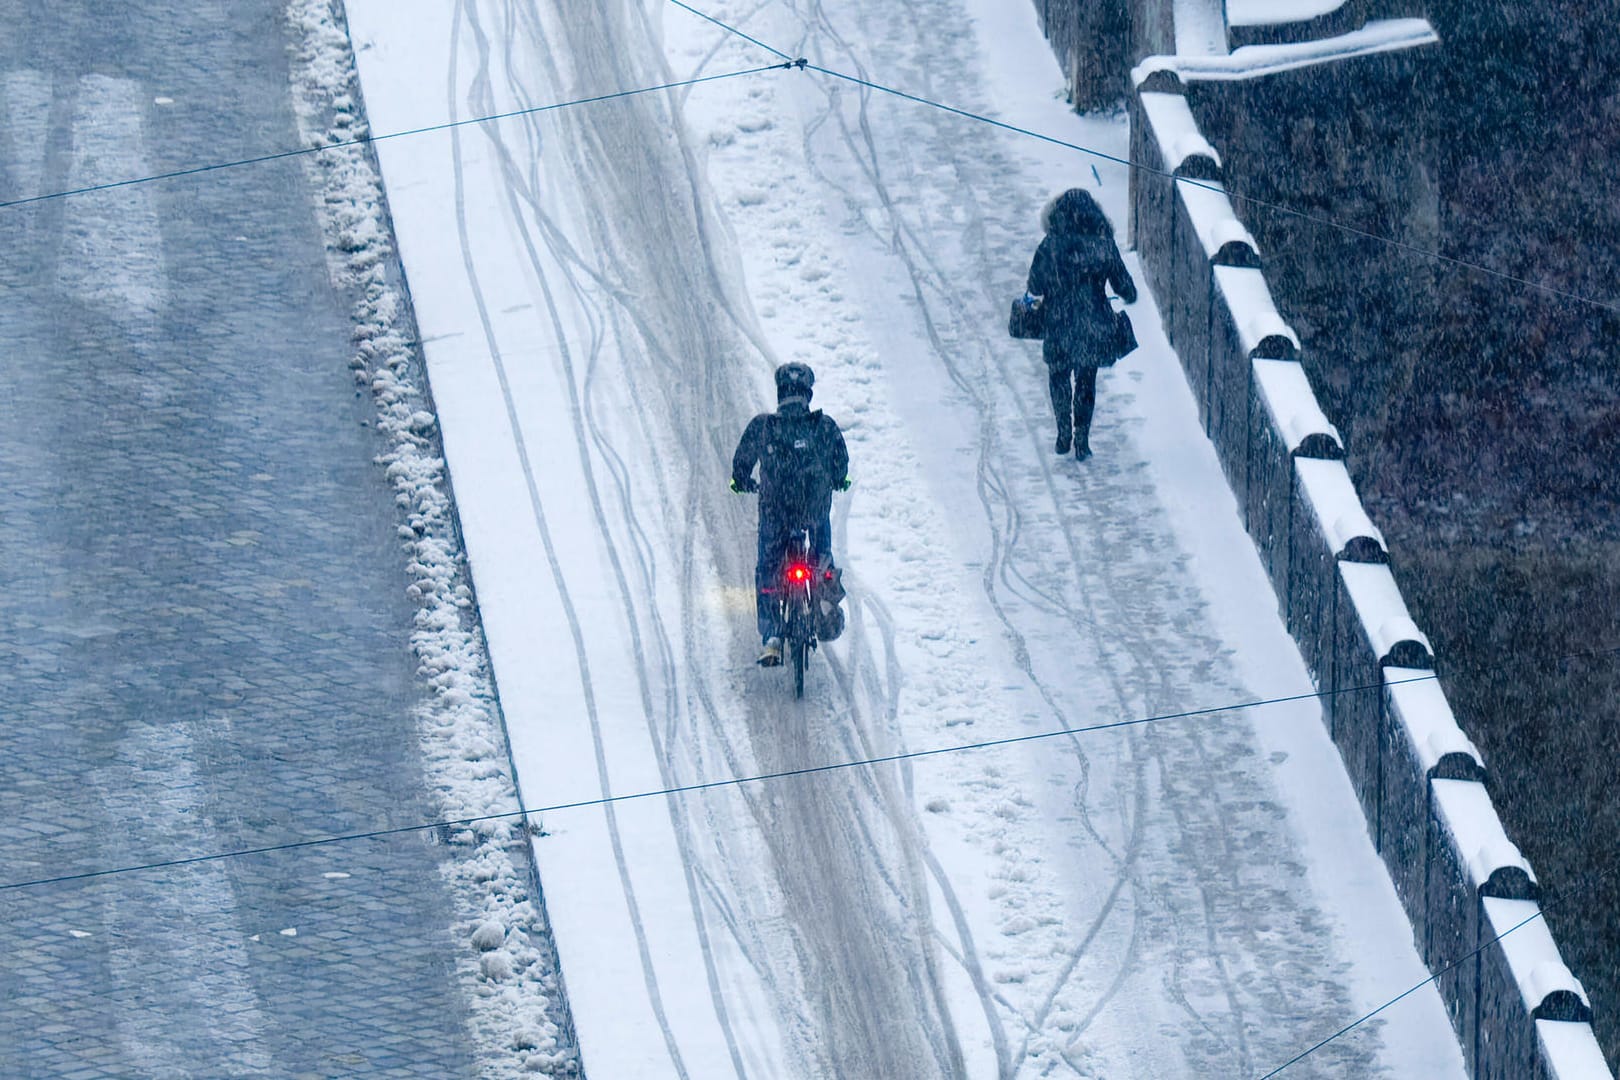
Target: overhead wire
pixel 1314 219
pixel 524 812
pixel 1414 988
pixel 709 785
pixel 803 65
pixel 361 140
pixel 1541 909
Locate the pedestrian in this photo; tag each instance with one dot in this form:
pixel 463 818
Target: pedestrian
pixel 1076 260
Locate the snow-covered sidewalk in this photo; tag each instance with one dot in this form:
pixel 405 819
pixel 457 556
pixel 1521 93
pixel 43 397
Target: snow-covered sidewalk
pixel 603 292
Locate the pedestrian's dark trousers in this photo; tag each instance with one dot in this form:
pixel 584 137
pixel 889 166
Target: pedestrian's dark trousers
pixel 1074 388
pixel 775 534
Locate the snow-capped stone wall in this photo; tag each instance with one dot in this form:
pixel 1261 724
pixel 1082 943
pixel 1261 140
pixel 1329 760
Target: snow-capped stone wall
pixel 1472 898
pixel 1285 423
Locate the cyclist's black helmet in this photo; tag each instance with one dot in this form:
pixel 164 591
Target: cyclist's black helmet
pixel 793 383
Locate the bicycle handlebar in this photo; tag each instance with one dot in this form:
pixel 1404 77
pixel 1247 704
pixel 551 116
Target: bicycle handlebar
pixel 752 486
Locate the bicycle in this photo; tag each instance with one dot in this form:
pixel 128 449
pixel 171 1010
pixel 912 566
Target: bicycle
pixel 797 605
pixel 807 592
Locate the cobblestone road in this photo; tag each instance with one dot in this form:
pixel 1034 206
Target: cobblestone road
pixel 203 637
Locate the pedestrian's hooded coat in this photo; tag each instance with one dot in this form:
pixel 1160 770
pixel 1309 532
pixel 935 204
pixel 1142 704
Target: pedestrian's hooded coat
pixel 1074 264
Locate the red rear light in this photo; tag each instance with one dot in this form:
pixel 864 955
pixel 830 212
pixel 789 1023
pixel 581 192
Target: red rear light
pixel 798 573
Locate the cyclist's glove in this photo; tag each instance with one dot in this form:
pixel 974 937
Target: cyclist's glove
pixel 745 486
pixel 844 484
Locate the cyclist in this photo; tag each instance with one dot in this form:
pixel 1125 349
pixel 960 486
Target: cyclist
pixel 802 460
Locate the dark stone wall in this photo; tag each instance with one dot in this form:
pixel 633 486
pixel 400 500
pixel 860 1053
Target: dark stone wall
pixel 1352 201
pixel 1407 207
pixel 1324 164
pixel 1478 408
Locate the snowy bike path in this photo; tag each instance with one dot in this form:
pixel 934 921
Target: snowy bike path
pixel 603 293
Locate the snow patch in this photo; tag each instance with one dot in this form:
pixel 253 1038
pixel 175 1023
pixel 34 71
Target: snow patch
pixel 1331 495
pixel 1200 27
pixel 490 935
pixel 112 242
pixel 1471 822
pixel 1214 222
pixel 1254 61
pixel 1254 312
pixel 1277 12
pixel 1531 953
pixel 1171 121
pixel 1289 400
pixel 1572 1050
pixel 514 995
pixel 1378 604
pixel 1421 708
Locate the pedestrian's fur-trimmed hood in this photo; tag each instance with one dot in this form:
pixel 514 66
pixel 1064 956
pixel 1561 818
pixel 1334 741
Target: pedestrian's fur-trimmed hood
pixel 1075 213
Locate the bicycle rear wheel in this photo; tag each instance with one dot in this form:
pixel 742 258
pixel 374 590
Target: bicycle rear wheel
pixel 799 648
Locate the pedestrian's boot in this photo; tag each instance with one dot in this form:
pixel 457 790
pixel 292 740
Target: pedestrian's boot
pixel 1064 440
pixel 1082 447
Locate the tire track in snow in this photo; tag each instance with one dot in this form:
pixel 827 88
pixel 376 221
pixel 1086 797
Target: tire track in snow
pixel 929 278
pixel 861 1048
pixel 1140 659
pixel 989 1008
pixel 886 703
pixel 1153 660
pixel 558 577
pixel 1003 514
pixel 860 745
pixel 743 937
pixel 890 1049
pixel 521 194
pixel 1145 667
pixel 734 766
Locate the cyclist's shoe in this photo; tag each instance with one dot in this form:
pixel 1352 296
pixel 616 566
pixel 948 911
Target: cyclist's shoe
pixel 771 654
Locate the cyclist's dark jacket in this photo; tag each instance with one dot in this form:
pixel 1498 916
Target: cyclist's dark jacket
pixel 801 457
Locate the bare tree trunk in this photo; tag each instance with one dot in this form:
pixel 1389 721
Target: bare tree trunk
pixel 1093 42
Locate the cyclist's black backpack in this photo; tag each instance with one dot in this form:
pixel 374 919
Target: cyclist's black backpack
pixel 794 464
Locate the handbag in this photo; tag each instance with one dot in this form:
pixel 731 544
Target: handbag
pixel 1123 341
pixel 1027 321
